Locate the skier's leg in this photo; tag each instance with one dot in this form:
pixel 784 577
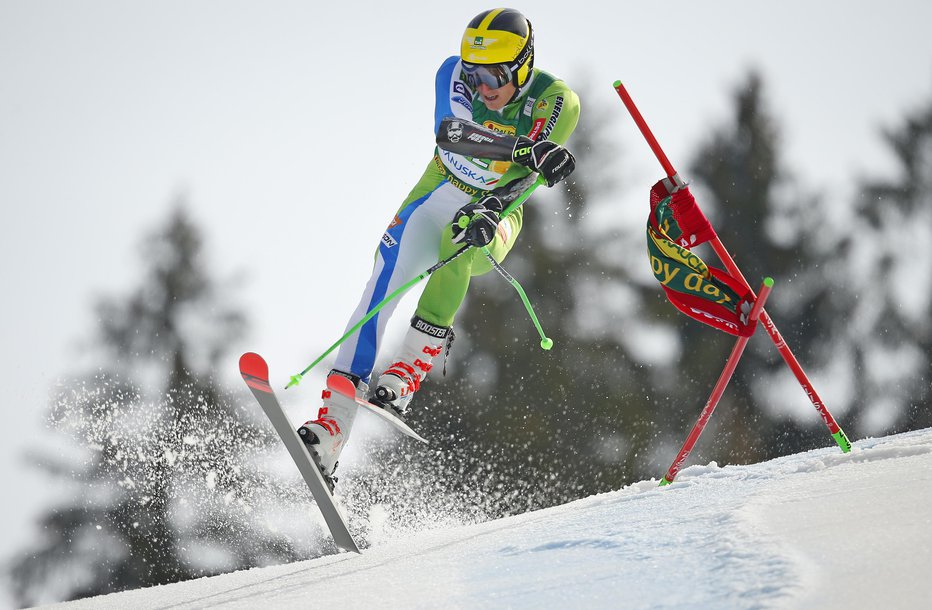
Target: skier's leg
pixel 398 383
pixel 447 287
pixel 431 325
pixel 408 246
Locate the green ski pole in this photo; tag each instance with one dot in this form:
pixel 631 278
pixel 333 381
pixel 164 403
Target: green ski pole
pixel 545 341
pixel 296 379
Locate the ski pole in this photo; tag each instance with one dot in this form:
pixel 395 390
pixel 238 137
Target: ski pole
pixel 296 379
pixel 841 439
pixel 718 390
pixel 545 341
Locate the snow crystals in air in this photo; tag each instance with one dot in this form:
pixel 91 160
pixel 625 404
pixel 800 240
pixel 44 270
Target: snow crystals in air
pixel 816 529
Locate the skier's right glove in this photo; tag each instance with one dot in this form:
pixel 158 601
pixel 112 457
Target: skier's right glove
pixel 547 158
pixel 481 219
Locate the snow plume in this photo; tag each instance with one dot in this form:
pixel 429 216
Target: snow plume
pixel 392 487
pixel 190 481
pixel 163 488
pixel 405 488
pixel 819 529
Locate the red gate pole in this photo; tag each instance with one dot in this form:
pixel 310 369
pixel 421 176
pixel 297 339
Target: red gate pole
pixel 719 388
pixel 834 429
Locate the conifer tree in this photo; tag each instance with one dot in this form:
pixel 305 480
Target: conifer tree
pixel 156 455
pixel 774 228
pixel 886 262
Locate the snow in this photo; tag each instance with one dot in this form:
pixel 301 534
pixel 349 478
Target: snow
pixel 819 529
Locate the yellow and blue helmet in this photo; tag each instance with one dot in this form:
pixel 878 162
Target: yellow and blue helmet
pixel 501 41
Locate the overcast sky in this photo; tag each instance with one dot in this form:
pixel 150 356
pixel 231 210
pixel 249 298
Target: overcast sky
pixel 294 130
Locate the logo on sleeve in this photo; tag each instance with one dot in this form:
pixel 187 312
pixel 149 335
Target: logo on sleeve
pixel 480 138
pixel 460 87
pixel 454 131
pixel 535 130
pixel 529 106
pixel 459 99
pixel 557 109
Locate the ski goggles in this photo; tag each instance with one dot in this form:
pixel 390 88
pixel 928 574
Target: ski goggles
pixel 493 76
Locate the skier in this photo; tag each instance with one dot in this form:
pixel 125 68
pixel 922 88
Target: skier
pixel 492 82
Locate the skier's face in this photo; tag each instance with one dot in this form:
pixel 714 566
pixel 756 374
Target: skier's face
pixel 495 99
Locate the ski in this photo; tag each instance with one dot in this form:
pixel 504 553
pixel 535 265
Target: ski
pixel 342 390
pixel 255 373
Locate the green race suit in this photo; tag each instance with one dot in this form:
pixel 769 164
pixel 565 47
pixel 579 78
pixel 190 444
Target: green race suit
pixel 421 234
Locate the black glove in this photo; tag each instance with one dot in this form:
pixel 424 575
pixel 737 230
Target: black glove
pixel 547 158
pixel 482 219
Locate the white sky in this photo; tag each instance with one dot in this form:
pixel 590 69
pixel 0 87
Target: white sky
pixel 295 129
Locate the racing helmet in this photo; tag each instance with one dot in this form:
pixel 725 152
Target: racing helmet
pixel 498 48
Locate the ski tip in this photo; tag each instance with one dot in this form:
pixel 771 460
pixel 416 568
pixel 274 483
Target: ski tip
pixel 254 365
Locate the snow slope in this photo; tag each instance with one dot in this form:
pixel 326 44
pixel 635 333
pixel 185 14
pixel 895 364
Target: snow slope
pixel 814 530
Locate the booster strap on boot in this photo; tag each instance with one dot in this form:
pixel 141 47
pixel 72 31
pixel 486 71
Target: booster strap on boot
pixel 427 328
pixel 441 332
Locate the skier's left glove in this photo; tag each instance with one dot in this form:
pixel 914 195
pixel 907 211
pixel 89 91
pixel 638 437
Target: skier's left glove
pixel 481 219
pixel 547 158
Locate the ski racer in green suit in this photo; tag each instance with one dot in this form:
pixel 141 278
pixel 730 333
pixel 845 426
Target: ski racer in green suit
pixel 492 83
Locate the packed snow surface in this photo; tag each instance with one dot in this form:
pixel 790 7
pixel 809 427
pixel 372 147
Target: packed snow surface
pixel 819 529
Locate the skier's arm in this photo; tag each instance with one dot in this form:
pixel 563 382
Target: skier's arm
pixel 547 158
pixel 555 115
pixel 453 95
pixel 464 137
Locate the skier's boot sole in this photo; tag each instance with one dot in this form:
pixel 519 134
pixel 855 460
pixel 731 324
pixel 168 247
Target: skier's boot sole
pixel 310 439
pixel 387 406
